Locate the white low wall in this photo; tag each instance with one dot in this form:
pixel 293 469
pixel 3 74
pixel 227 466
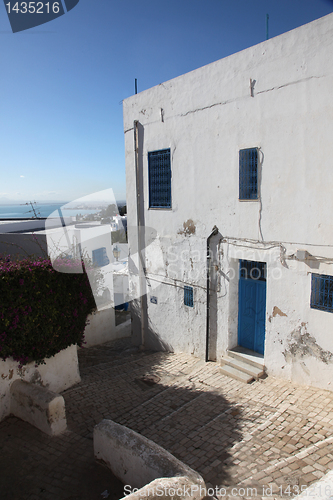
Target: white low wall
pixel 320 490
pixel 140 463
pixel 59 373
pixel 39 406
pixel 102 328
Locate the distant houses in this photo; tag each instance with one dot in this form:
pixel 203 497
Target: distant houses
pixel 104 244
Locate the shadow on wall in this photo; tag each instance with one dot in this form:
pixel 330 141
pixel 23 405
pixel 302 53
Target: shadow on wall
pixel 152 340
pixel 21 246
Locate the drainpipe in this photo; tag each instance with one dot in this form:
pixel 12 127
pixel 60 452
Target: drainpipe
pixel 213 233
pixel 139 226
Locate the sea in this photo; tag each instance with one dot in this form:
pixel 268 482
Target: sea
pixel 42 210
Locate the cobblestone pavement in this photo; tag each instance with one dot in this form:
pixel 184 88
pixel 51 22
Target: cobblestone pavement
pixel 241 438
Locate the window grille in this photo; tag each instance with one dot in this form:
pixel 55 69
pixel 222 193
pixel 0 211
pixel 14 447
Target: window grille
pixel 159 172
pixel 188 296
pixel 248 174
pixel 322 292
pixel 252 270
pixel 100 257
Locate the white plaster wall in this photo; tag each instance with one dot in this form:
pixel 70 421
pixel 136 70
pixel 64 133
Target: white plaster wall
pixel 139 462
pixel 65 241
pixel 58 373
pixel 208 115
pixel 101 327
pixel 205 117
pixel 298 345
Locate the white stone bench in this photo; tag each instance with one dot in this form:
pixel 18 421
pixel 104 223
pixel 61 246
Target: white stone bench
pixel 39 406
pixel 142 464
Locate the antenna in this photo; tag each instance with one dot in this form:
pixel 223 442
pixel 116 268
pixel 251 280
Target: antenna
pixel 267 18
pixel 32 203
pixel 136 86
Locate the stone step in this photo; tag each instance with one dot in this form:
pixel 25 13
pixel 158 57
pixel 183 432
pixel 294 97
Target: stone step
pixel 242 365
pixel 247 356
pixel 236 374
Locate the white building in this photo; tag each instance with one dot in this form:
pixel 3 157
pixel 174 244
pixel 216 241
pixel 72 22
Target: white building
pixel 63 237
pixel 244 144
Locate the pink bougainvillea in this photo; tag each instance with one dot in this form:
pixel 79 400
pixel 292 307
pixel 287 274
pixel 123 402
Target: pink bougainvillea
pixel 42 311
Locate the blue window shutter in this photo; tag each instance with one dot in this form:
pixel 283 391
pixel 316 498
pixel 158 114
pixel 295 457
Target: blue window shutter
pixel 322 292
pixel 248 174
pixel 188 296
pixel 159 173
pixel 100 257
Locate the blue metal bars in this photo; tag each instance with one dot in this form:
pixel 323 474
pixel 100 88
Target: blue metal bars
pixel 248 174
pixel 322 292
pixel 159 172
pixel 188 296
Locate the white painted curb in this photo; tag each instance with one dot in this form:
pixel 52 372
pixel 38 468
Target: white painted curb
pixel 146 469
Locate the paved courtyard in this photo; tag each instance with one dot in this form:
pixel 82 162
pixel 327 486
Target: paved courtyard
pixel 240 438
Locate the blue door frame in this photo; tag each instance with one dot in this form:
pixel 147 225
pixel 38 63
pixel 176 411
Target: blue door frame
pixel 252 305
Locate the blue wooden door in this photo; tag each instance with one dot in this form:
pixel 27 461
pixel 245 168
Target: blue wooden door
pixel 252 305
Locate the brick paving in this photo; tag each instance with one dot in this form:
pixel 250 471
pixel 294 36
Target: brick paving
pixel 269 434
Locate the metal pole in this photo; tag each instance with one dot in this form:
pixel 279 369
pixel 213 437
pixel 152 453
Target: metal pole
pixel 139 226
pixel 136 86
pixel 213 233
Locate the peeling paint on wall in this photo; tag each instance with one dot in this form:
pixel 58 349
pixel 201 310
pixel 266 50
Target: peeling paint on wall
pixel 301 344
pixel 276 311
pixel 188 228
pixel 9 375
pixel 37 379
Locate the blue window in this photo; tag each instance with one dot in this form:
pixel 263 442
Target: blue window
pixel 100 257
pixel 159 173
pixel 322 292
pixel 248 174
pixel 188 296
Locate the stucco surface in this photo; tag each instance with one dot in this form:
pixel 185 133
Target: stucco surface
pixel 276 97
pixel 57 374
pixel 39 406
pixel 139 462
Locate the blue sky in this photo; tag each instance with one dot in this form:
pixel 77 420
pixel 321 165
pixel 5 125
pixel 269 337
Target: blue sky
pixel 62 83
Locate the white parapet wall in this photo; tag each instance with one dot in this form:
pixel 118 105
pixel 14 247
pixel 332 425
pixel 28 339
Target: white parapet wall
pixel 39 406
pixel 57 374
pixel 146 469
pixel 320 490
pixel 101 327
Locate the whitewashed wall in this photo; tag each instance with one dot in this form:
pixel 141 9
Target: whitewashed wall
pixel 57 374
pixel 205 117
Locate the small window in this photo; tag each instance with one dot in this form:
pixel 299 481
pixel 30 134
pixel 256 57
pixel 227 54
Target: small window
pixel 188 296
pixel 100 257
pixel 322 292
pixel 248 174
pixel 159 173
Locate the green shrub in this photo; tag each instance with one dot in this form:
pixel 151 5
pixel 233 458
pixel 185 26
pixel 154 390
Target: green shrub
pixel 42 311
